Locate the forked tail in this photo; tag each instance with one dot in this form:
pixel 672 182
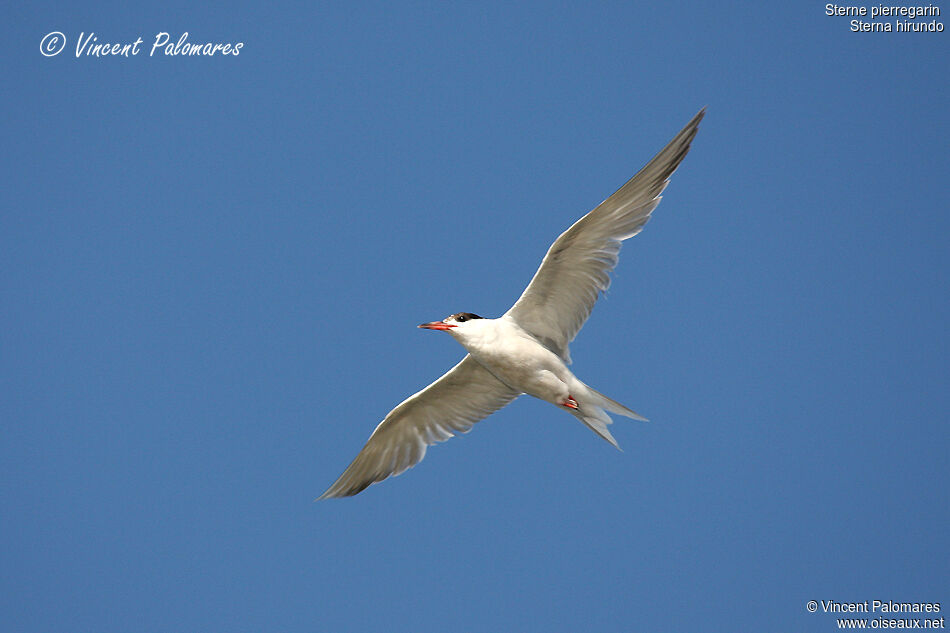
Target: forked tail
pixel 596 420
pixel 615 407
pixel 593 413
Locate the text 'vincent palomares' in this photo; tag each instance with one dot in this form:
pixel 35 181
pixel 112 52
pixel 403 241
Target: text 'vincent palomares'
pixel 88 45
pixel 879 606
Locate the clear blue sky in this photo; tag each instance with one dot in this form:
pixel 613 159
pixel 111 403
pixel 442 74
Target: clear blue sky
pixel 211 270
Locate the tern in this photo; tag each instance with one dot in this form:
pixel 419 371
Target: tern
pixel 525 351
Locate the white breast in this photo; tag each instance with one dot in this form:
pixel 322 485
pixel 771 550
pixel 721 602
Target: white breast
pixel 517 359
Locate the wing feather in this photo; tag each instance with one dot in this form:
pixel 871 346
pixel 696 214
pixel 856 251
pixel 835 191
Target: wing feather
pixel 576 269
pixel 452 404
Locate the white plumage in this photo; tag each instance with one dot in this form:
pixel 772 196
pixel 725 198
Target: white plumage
pixel 525 351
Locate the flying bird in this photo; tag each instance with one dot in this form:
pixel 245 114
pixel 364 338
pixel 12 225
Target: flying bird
pixel 525 351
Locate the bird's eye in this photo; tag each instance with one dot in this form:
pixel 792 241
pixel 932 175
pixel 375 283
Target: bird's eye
pixel 461 318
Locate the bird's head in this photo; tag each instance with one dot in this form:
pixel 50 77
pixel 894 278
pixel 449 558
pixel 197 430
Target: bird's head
pixel 455 324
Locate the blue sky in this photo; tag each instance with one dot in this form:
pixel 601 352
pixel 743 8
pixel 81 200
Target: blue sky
pixel 212 270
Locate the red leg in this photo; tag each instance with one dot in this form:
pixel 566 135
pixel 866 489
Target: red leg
pixel 570 403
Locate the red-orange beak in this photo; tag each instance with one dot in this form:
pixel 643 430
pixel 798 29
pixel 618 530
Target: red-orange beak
pixel 437 325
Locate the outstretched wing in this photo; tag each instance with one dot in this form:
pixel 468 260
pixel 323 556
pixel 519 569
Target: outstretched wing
pixel 452 404
pixel 576 268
